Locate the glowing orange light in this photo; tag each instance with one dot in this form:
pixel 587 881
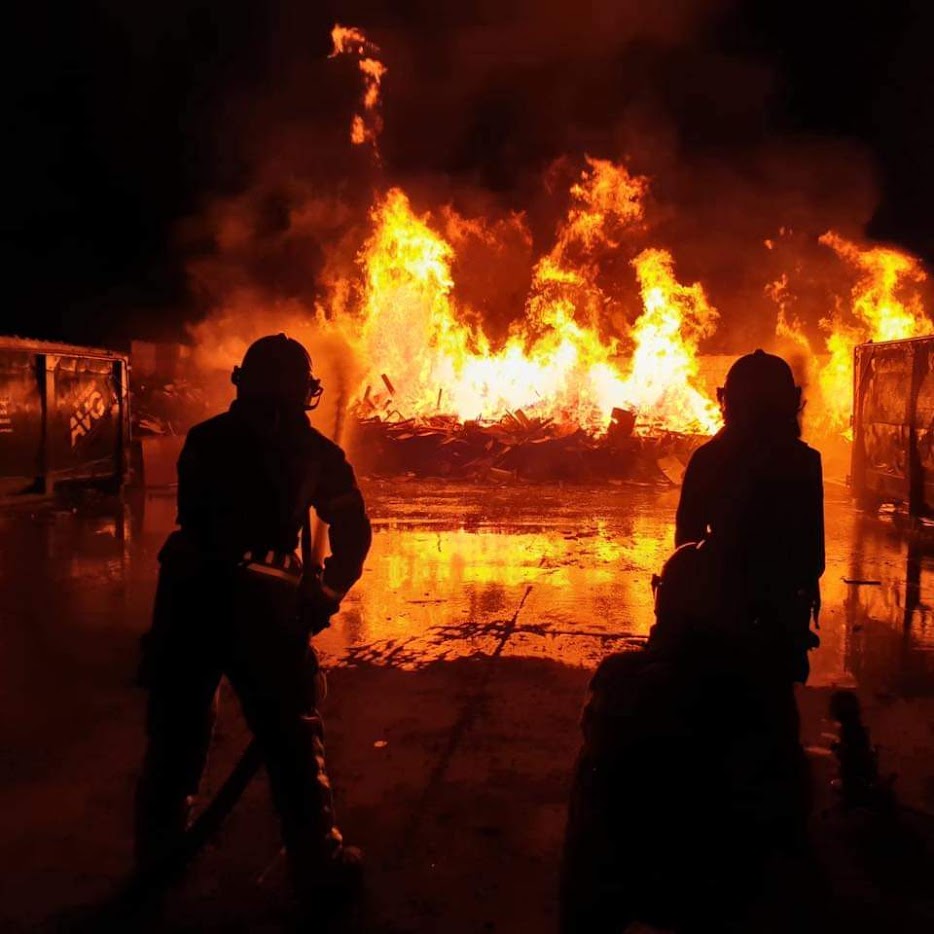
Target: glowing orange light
pixel 348 40
pixel 553 365
pixel 885 305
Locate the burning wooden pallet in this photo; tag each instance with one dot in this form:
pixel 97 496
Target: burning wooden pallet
pixel 518 448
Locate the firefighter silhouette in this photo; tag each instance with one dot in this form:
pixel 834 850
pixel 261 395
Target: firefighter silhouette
pixel 754 492
pixel 234 600
pixel 691 784
pixel 691 780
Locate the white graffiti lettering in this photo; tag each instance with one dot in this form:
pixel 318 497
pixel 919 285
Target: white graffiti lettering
pixel 87 411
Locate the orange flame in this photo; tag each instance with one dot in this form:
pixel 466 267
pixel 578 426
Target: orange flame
pixel 605 201
pixel 787 324
pixel 556 362
pixel 885 304
pixel 666 335
pixel 605 196
pixel 420 348
pixel 348 40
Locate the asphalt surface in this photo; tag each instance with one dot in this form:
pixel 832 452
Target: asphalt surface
pixel 456 668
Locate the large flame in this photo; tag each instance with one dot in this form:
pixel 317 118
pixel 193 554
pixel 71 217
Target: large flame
pixel 559 361
pixel 424 359
pixel 885 305
pixel 604 322
pixel 664 363
pixel 562 359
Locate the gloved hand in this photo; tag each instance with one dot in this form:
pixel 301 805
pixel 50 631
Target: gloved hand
pixel 315 607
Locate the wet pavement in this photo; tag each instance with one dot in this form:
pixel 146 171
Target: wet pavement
pixel 457 668
pixel 450 566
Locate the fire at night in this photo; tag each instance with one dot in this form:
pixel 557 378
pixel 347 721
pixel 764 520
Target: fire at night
pixel 541 395
pixel 592 334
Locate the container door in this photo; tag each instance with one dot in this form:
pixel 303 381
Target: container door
pixel 885 418
pixel 20 421
pixel 84 417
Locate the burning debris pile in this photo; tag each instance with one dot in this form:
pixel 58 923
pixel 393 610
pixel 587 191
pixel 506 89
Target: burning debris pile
pixel 168 394
pixel 556 401
pixel 562 394
pixel 519 448
pixel 596 372
pixel 558 363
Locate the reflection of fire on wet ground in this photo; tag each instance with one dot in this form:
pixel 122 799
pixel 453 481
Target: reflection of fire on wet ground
pixel 451 564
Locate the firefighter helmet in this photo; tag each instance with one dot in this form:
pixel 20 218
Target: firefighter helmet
pixel 760 385
pixel 277 368
pixel 686 589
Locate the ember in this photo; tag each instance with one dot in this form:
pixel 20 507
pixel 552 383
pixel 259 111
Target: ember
pixel 365 127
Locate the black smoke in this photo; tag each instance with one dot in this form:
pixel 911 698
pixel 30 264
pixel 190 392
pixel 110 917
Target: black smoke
pixel 131 123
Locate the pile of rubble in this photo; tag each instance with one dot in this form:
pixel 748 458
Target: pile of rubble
pixel 167 408
pixel 519 447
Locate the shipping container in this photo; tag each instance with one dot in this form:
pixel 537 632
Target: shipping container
pixel 893 425
pixel 64 416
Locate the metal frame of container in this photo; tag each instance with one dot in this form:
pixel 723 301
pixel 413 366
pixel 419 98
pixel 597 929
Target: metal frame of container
pixel 892 458
pixel 64 416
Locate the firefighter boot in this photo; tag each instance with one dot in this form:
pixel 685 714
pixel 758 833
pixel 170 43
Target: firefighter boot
pixel 322 868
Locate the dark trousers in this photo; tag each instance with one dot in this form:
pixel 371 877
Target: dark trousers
pixel 691 785
pixel 213 622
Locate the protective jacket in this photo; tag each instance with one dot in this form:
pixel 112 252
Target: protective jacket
pixel 759 501
pixel 762 499
pixel 246 479
pixel 245 482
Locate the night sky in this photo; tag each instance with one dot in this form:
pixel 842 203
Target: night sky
pixel 125 119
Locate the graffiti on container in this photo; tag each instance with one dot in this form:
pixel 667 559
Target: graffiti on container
pixel 6 422
pixel 88 410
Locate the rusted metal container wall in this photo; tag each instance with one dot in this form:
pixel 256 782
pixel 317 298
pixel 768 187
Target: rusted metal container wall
pixel 63 415
pixel 83 416
pixel 893 424
pixel 20 420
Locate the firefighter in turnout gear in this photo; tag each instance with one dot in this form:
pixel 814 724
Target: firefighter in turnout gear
pixel 754 492
pixel 700 727
pixel 234 600
pixel 691 785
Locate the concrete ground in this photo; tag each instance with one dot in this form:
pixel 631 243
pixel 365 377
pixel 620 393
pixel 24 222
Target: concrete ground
pixel 456 671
